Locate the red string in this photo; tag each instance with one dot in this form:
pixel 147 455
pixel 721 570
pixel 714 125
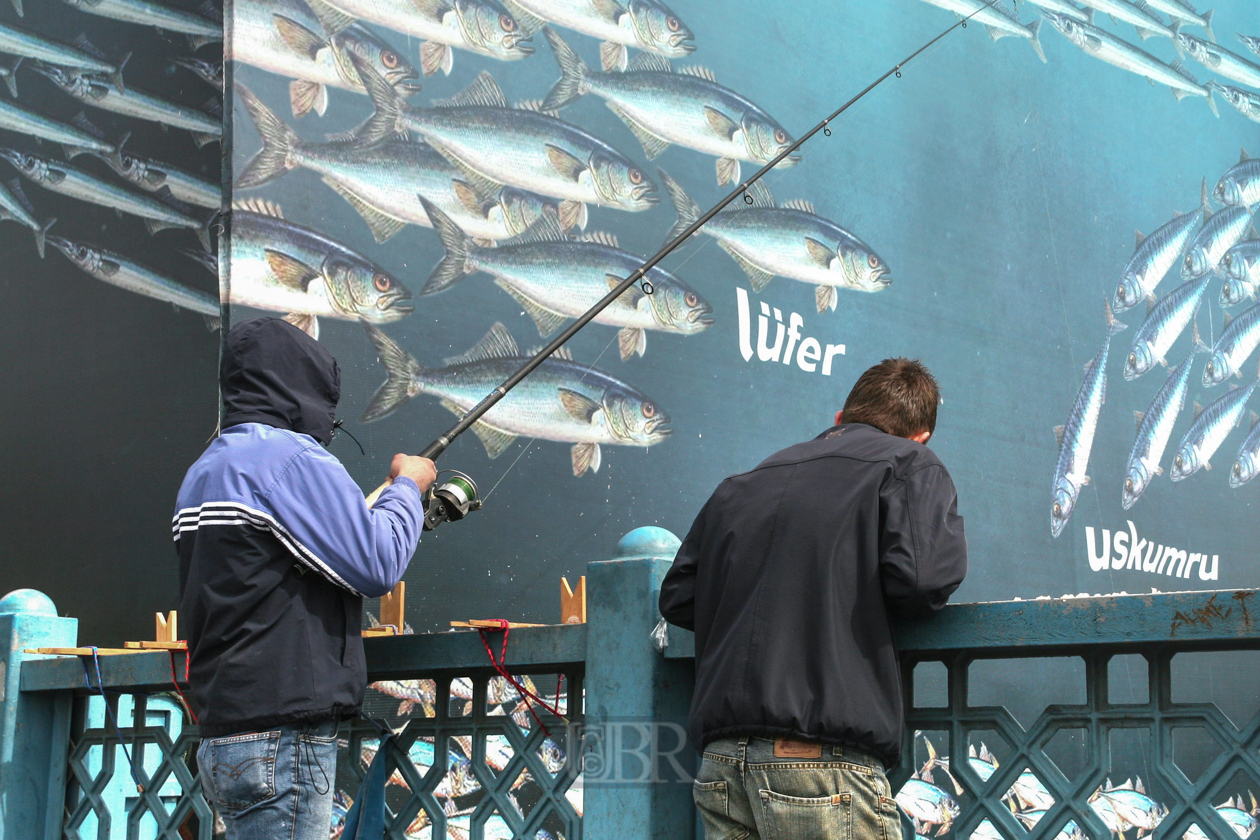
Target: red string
pixel 501 668
pixel 175 681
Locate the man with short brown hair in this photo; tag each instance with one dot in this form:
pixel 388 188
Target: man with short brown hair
pixel 789 576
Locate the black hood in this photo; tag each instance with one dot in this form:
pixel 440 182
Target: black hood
pixel 275 374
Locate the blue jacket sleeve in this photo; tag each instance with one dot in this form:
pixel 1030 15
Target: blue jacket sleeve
pixel 321 516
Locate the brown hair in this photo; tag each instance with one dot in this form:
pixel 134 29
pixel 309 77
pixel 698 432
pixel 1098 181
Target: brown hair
pixel 898 396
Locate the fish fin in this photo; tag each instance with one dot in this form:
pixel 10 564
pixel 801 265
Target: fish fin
pixel 573 73
pixel 535 105
pixel 42 233
pixel 688 211
pixel 15 187
pixel 528 22
pixel 598 237
pixel 401 369
pixel 563 353
pixel 727 171
pixel 382 225
pixel 758 277
pixel 334 21
pixel 260 206
pixel 546 228
pixel 209 9
pixel 1139 238
pixel 196 42
pixel 109 267
pixel 207 261
pixel 1034 39
pixel 579 406
pixel 971 751
pixel 484 92
pixel 1139 416
pixel 274 159
pixel 1151 301
pixel 1159 470
pixel 289 271
pixel 298 38
pixel 82 123
pixel 435 56
pixel 798 204
pixel 819 253
pixel 82 42
pixel 544 319
pixel 573 213
pixel 613 57
pixel 454 264
pixel 631 340
pixel 10 79
pixel 481 185
pixel 609 10
pixel 825 298
pixel 1085 480
pixel 496 441
pixel 1226 322
pixel 653 146
pixel 1163 362
pixel 306 96
pixel 699 72
pixel 760 195
pixel 1138 786
pixel 1243 157
pixel 214 323
pixel 1204 204
pixel 1207 25
pixel 1255 418
pixel 404 708
pixel 202 140
pixel 565 164
pixel 305 322
pixel 468 197
pixel 722 125
pixel 1113 326
pixel 1207 465
pixel 388 102
pixel 630 297
pixel 1058 434
pixel 497 343
pixel 434 9
pixel 649 62
pixel 1198 409
pixel 155 225
pixel 585 456
pixel 1145 34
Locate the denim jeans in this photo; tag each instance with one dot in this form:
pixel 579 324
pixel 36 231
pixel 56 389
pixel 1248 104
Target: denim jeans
pixel 275 785
pixel 807 792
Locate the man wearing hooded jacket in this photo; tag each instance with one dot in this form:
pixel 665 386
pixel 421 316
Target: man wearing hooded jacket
pixel 277 550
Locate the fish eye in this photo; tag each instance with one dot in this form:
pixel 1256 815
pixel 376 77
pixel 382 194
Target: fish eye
pixel 636 177
pixel 649 410
pixel 1179 462
pixel 507 22
pixel 1238 470
pixel 1058 510
pixel 780 136
pixel 691 299
pixel 872 261
pixel 1128 484
pixel 1210 368
pixel 673 23
pixel 390 59
pixel 1133 360
pixel 382 283
pixel 1121 294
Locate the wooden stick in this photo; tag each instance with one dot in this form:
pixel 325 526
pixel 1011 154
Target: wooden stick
pixel 483 624
pixel 166 627
pixel 573 602
pixel 181 645
pixel 376 494
pixel 392 605
pixel 82 651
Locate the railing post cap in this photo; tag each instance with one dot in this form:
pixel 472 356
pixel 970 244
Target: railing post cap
pixel 648 541
pixel 29 601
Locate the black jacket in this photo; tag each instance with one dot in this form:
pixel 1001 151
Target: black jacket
pixel 277 548
pixel 789 576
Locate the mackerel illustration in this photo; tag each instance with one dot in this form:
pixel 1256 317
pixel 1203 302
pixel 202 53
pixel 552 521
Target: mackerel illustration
pixel 1238 341
pixel 1241 184
pixel 1244 101
pixel 1241 267
pixel 1220 60
pixel 77 138
pixel 996 18
pixel 1210 428
pixel 1155 428
pixel 205 26
pixel 1221 231
pixel 1157 253
pixel 643 24
pixel 156 177
pixel 1181 10
pixel 1165 321
pixel 1247 464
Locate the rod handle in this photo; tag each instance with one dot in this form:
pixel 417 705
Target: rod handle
pixel 376 494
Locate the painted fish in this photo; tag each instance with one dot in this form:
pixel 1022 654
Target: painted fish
pixel 205 26
pixel 1107 47
pixel 644 24
pixel 155 176
pixel 128 274
pixel 1029 792
pixel 1133 807
pixel 662 107
pixel 1142 17
pixel 65 179
pixel 1220 60
pixel 1241 184
pixel 927 804
pixel 15 40
pixel 285 267
pixel 412 693
pixel 210 72
pixel 1154 430
pixel 996 18
pixel 1155 254
pixel 1221 231
pixel 1244 101
pixel 489 140
pixel 561 400
pixel 108 96
pixel 14 205
pixel 1238 341
pixel 1107 813
pixel 555 278
pixel 1252 43
pixel 385 182
pixel 1181 10
pixel 1241 267
pixel 789 240
pixel 983 763
pixel 1076 437
pixel 1210 428
pixel 311 44
pixel 986 831
pixel 1247 464
pixel 481 26
pixel 1070 830
pixel 1164 322
pixel 1063 7
pixel 79 137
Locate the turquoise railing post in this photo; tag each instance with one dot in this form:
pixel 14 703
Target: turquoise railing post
pixel 34 727
pixel 637 764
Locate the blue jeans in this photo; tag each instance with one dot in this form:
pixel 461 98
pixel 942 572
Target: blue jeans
pixel 275 785
pixel 751 788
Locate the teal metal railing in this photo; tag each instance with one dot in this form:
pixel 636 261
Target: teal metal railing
pixel 472 760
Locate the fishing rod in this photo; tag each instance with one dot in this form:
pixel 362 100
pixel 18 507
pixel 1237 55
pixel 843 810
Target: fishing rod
pixel 454 499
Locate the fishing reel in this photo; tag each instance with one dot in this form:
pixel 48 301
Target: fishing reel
pixel 450 501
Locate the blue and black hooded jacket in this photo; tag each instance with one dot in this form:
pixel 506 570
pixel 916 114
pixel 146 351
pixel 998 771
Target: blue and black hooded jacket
pixel 277 549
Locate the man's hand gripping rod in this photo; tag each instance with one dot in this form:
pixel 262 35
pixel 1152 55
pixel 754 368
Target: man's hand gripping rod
pixel 437 447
